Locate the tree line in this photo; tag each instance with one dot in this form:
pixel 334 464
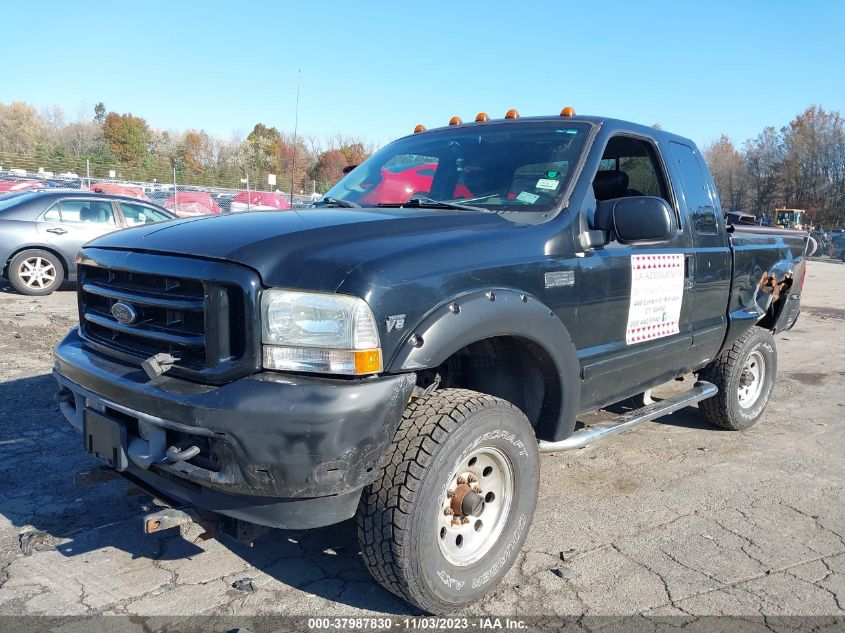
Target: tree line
pixel 127 144
pixel 799 166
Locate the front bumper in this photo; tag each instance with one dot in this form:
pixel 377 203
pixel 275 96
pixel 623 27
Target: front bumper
pixel 279 450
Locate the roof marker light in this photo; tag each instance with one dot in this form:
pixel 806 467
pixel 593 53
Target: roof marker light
pixel 568 111
pixel 512 114
pixel 420 128
pixel 455 120
pixel 481 117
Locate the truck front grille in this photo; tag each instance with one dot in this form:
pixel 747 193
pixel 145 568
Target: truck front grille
pixel 203 324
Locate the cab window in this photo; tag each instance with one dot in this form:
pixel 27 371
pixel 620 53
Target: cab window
pixel 629 167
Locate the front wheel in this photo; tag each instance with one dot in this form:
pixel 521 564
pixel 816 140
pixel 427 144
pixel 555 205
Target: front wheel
pixel 451 508
pixel 36 272
pixel 745 376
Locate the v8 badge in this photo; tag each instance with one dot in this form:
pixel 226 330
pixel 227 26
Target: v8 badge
pixel 397 321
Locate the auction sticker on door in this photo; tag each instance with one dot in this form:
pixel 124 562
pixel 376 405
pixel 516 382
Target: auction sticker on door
pixel 657 292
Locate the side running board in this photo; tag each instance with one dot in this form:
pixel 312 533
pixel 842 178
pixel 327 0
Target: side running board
pixel 589 435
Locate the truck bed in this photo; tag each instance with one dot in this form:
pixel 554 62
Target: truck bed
pixel 760 252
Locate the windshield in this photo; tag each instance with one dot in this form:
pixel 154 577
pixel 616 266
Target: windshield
pixel 513 166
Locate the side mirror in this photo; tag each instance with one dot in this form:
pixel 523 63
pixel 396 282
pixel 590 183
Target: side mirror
pixel 636 219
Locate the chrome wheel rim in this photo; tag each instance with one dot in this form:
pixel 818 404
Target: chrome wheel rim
pixel 37 273
pixel 475 506
pixel 751 380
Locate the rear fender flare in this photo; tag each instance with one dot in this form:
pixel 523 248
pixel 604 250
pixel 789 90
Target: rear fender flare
pixel 496 312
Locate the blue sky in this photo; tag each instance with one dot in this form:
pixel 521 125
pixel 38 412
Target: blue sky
pixel 375 69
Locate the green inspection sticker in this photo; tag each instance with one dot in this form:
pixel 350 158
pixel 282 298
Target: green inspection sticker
pixel 552 174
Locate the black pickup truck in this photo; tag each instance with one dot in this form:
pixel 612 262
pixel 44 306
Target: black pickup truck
pixel 403 351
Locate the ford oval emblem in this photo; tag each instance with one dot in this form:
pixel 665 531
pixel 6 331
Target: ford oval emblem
pixel 124 313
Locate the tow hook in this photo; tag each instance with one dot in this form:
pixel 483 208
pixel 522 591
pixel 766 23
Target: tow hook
pixel 174 454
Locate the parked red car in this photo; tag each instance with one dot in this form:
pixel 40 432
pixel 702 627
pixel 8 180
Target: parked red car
pixel 19 185
pixel 117 189
pixel 259 201
pixel 411 182
pixel 190 203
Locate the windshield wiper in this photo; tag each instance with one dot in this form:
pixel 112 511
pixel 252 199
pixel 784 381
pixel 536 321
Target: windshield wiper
pixel 337 202
pixel 429 203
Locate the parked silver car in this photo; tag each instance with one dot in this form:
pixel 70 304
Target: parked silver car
pixel 42 230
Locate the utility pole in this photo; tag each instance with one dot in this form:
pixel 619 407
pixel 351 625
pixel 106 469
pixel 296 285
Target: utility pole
pixel 175 195
pixel 295 126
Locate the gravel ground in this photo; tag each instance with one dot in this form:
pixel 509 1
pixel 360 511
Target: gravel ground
pixel 673 518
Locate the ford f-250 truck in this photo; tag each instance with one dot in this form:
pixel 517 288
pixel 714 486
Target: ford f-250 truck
pixel 404 360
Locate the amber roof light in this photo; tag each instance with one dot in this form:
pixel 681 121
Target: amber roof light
pixel 419 128
pixel 481 117
pixel 567 111
pixel 512 114
pixel 455 120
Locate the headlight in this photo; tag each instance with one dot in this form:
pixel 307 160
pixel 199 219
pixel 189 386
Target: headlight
pixel 321 333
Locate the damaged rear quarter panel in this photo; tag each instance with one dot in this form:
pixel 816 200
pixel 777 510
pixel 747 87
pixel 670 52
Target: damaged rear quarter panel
pixel 768 266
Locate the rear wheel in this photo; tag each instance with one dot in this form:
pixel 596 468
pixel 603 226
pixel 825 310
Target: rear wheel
pixel 745 376
pixel 36 272
pixel 451 509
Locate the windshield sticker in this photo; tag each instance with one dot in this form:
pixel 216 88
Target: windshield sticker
pixel 530 198
pixel 657 292
pixel 548 184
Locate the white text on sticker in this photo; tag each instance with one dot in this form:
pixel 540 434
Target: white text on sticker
pixel 547 183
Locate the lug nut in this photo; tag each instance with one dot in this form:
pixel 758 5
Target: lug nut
pixel 456 522
pixel 471 478
pixel 448 512
pixel 464 520
pixel 461 480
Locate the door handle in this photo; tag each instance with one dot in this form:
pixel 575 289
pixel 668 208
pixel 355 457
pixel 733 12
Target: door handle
pixel 689 271
pixel 57 231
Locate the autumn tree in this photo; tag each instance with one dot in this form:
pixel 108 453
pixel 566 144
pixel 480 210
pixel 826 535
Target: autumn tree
pixel 100 113
pixel 21 129
pixel 328 167
pixel 127 137
pixel 725 163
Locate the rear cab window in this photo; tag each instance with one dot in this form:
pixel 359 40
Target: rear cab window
pixel 699 203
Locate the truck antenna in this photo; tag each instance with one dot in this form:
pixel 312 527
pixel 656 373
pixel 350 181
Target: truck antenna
pixel 295 127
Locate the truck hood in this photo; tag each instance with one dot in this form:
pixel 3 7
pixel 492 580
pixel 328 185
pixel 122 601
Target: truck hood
pixel 309 249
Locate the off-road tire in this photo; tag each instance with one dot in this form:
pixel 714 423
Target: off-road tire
pixel 19 284
pixel 726 371
pixel 398 513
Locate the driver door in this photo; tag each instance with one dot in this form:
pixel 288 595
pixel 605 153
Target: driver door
pixel 634 312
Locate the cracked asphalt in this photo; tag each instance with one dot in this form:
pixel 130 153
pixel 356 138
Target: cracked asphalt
pixel 672 518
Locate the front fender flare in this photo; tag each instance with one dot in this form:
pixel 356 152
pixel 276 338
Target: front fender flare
pixel 492 313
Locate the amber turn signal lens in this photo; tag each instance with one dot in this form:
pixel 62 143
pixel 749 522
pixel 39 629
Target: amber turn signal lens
pixel 567 111
pixel 512 114
pixel 368 361
pixel 419 128
pixel 481 117
pixel 455 120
